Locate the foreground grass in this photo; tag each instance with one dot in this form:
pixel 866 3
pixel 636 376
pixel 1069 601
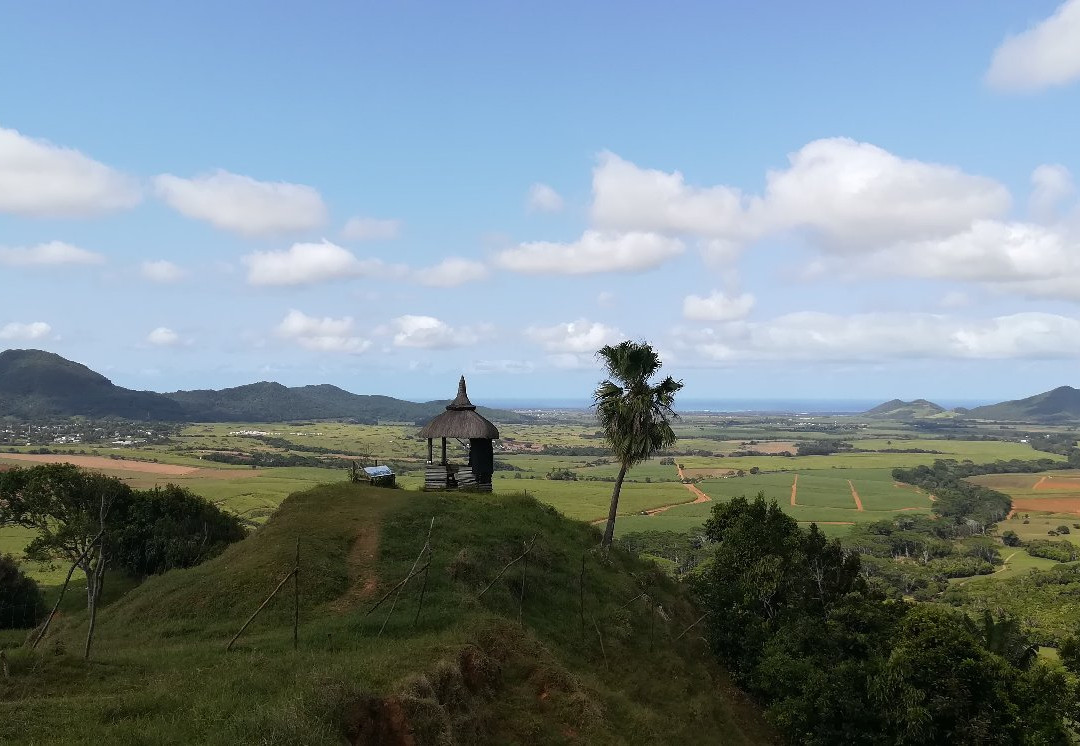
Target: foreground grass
pixel 467 670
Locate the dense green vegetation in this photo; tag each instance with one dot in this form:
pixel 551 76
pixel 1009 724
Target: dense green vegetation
pixel 834 661
pixel 466 667
pixel 1059 405
pixel 21 602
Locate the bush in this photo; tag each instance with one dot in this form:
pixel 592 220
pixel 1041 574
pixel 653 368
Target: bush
pixel 1063 529
pixel 171 527
pixel 21 603
pixel 1010 539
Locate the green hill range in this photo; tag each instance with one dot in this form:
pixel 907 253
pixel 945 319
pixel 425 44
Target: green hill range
pixel 1059 405
pixel 574 646
pixel 35 383
pixel 897 409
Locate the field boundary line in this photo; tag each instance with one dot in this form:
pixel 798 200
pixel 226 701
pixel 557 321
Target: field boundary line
pixel 855 496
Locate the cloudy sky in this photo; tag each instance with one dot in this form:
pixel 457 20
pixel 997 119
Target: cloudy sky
pixel 790 200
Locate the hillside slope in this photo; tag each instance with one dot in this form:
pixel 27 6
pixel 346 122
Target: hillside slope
pixel 465 668
pixel 898 409
pixel 1058 405
pixel 35 383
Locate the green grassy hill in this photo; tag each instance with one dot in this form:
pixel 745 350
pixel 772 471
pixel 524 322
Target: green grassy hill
pixel 897 409
pixel 471 669
pixel 1058 405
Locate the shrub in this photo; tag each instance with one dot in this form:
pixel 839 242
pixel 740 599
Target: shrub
pixel 1010 539
pixel 21 603
pixel 170 527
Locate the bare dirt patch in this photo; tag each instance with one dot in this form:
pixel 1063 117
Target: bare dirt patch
pixel 1046 505
pixel 361 563
pixel 103 463
pixel 855 496
pixel 1053 483
pixel 704 472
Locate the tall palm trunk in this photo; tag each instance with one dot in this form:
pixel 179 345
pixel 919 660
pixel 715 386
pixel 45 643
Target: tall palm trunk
pixel 609 530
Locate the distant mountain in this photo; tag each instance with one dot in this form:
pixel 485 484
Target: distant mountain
pixel 1059 405
pixel 897 409
pixel 34 383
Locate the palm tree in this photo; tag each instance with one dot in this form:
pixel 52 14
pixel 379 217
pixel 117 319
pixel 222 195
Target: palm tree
pixel 635 415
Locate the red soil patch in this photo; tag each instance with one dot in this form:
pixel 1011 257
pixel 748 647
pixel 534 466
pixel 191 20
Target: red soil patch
pixel 103 463
pixel 855 496
pixel 1046 505
pixel 794 488
pixel 1050 483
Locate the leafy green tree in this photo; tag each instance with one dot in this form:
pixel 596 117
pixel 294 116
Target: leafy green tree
pixel 635 415
pixel 1011 539
pixel 167 528
pixel 69 509
pixel 1002 636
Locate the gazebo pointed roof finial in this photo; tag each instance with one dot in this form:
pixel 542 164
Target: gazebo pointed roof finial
pixel 461 401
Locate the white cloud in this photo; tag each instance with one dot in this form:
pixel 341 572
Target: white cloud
pixel 321 334
pixel 25 332
pixel 243 205
pixel 1051 185
pixel 574 336
pixel 845 195
pixel 370 229
pixel 163 337
pixel 1046 55
pixel 811 336
pixel 39 179
pixel 451 272
pixel 594 252
pixel 307 263
pixel 52 254
pixel 543 198
pixel 717 307
pixel 432 333
pixel 503 366
pixel 162 271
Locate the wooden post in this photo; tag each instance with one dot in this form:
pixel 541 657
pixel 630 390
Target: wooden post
pixel 601 642
pixel 507 567
pixel 430 447
pixel 521 597
pixel 581 594
pixel 692 625
pixel 296 599
pixel 262 606
pixel 412 572
pixel 423 588
pixel 444 451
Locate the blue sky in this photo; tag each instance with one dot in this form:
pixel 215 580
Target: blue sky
pixel 790 199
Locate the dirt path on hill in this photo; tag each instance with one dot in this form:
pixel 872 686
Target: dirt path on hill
pixel 1039 483
pixel 794 488
pixel 361 563
pixel 855 496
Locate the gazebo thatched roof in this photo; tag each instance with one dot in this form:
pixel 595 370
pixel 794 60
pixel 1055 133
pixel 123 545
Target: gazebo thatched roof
pixel 460 420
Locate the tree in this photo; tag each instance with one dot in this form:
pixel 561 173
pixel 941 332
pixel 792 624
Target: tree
pixel 69 509
pixel 635 416
pixel 1010 539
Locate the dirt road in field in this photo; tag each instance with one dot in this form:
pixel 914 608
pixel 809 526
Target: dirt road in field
pixel 794 488
pixel 102 463
pixel 699 496
pixel 855 496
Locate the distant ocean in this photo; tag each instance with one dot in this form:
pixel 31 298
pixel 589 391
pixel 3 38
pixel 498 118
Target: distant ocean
pixel 737 406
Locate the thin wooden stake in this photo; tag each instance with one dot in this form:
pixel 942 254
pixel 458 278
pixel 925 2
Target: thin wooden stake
pixel 581 595
pixel 601 643
pixel 635 598
pixel 251 619
pixel 692 625
pixel 296 599
pixel 390 592
pixel 652 623
pixel 427 543
pixel 521 598
pixel 507 566
pixel 63 590
pixel 423 589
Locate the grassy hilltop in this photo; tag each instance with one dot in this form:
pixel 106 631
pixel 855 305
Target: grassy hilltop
pixel 467 672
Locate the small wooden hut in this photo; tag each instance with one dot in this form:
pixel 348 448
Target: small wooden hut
pixel 460 421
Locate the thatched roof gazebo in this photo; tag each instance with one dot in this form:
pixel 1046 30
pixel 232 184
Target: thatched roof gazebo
pixel 461 421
